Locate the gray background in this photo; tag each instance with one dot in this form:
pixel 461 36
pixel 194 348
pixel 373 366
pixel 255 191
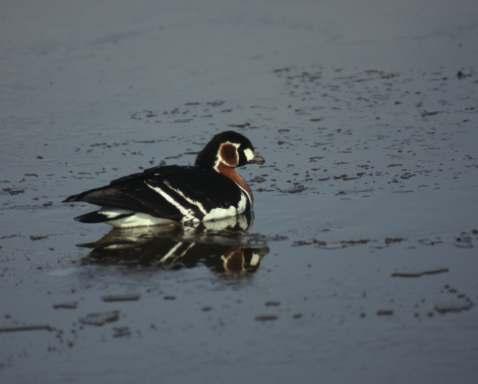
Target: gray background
pixel 366 114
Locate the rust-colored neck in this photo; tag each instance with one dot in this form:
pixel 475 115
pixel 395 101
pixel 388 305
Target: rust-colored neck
pixel 230 172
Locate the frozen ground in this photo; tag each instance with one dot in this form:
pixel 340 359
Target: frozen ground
pixel 366 214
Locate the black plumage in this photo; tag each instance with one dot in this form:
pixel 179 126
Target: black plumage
pixel 132 193
pixel 179 193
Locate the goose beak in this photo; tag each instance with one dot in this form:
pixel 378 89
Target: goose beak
pixel 257 159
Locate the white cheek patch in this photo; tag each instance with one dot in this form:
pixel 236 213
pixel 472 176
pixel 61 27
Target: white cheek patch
pixel 249 154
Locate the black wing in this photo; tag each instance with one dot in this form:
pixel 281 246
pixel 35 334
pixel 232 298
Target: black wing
pixel 203 185
pixel 165 192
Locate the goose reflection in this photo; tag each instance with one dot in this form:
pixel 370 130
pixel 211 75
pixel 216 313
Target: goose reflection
pixel 223 246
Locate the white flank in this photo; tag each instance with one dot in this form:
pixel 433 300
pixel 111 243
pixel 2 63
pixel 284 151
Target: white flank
pixel 188 199
pixel 241 207
pixel 138 220
pixel 111 214
pixel 220 225
pixel 188 215
pixel 249 154
pixel 221 213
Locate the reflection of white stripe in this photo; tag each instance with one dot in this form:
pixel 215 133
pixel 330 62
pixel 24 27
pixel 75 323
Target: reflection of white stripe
pixel 171 252
pixel 187 213
pixel 189 200
pixel 187 249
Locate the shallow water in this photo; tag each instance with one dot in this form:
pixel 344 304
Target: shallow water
pixel 366 210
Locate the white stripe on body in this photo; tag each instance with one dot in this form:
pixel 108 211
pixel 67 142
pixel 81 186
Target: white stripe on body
pixel 188 199
pixel 188 214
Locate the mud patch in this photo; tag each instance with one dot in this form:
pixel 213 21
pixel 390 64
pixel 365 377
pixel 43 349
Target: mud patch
pixel 100 318
pixel 26 328
pixel 453 301
pixel 385 312
pixel 121 297
pixel 121 331
pixel 412 274
pixel 66 305
pixel 266 318
pixel 330 244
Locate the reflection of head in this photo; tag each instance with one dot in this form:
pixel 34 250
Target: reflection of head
pixel 242 260
pixel 223 246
